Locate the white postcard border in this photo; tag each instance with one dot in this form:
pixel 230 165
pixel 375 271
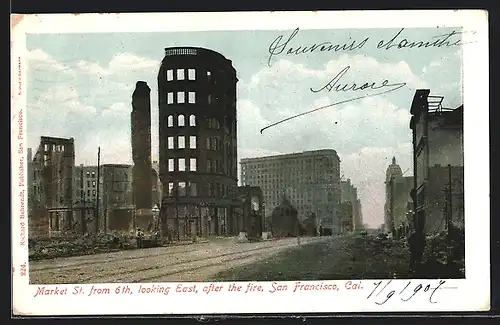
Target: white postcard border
pixel 471 294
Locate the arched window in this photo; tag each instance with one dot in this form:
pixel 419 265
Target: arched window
pixel 170 121
pixel 180 120
pixel 192 120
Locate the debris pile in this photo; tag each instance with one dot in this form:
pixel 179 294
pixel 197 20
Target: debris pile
pixel 74 245
pixel 437 251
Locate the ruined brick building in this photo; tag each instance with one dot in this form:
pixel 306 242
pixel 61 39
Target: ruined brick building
pixel 349 193
pixel 438 160
pixel 249 218
pixel 197 142
pixel 50 191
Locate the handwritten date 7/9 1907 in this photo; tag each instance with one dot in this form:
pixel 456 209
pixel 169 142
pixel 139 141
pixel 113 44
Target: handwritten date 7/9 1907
pixel 383 292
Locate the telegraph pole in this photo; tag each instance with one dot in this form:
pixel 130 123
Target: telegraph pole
pixel 177 211
pixel 83 214
pixel 96 211
pixel 449 216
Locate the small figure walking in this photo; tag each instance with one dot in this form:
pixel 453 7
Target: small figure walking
pixel 139 237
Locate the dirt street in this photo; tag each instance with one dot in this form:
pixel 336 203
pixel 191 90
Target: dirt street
pixel 196 262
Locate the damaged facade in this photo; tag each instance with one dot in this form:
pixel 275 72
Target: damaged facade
pixel 349 193
pixel 50 194
pixel 438 160
pixel 250 217
pixel 197 143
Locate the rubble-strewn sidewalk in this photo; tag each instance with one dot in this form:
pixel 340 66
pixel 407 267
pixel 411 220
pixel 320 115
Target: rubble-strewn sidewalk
pixel 77 245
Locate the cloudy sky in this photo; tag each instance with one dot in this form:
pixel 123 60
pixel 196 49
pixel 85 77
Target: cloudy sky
pixel 80 85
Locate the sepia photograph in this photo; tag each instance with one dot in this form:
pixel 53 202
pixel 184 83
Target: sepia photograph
pixel 250 160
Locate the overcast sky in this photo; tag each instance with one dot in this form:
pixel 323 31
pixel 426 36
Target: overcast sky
pixel 80 86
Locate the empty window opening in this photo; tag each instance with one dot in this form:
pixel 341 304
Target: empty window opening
pixel 192 142
pixel 171 165
pixel 192 120
pixel 180 120
pixel 192 97
pixel 182 164
pixel 170 98
pixel 170 75
pixel 180 74
pixel 193 189
pixel 170 142
pixel 192 164
pixel 170 121
pixel 181 142
pixel 181 189
pixel 191 74
pixel 181 97
pixel 170 189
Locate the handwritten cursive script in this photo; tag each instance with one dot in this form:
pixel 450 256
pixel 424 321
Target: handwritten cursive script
pixel 336 85
pixel 278 47
pixel 406 293
pixel 283 45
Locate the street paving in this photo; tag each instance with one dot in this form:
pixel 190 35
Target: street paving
pixel 344 257
pixel 195 262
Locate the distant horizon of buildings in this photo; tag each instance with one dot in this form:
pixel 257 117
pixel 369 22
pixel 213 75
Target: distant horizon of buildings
pixel 112 195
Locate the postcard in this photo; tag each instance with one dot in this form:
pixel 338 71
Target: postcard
pixel 250 162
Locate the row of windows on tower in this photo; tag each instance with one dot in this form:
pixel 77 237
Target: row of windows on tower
pixel 181 165
pixel 181 142
pixel 213 166
pixel 191 189
pixel 180 98
pixel 212 143
pixel 180 74
pixel 181 120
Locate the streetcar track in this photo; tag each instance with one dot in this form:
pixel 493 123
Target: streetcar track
pixel 103 276
pixel 152 278
pixel 125 273
pixel 77 266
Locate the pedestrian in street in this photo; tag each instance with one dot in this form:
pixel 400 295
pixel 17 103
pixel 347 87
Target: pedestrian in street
pixel 139 238
pixel 416 243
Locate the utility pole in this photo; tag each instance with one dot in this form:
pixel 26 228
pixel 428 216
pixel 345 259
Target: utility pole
pixel 96 211
pixel 449 216
pixel 82 197
pixel 177 211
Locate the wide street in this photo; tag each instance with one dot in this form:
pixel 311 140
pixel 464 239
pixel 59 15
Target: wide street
pixel 195 262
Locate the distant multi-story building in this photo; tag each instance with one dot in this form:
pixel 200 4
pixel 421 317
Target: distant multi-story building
pixel 117 206
pixel 51 186
pixel 197 142
pixel 397 196
pixel 310 180
pixel 438 160
pixel 349 193
pixel 85 198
